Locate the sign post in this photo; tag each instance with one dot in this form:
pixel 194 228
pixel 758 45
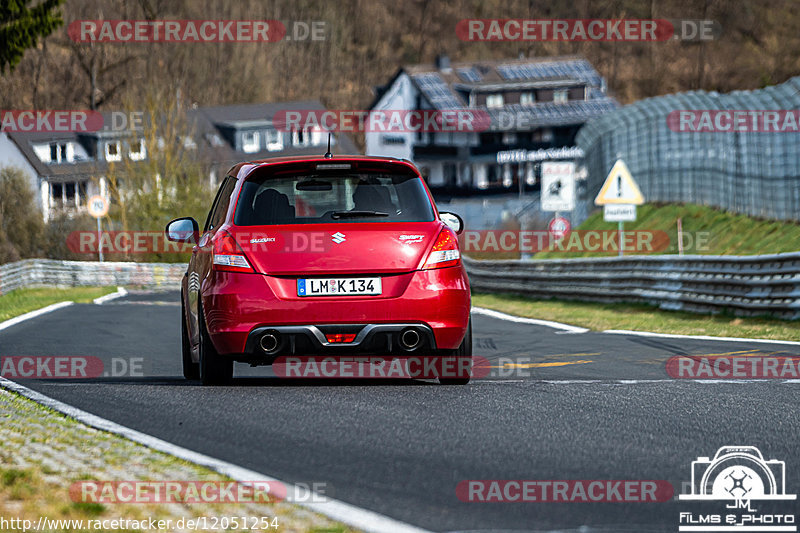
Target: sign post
pixel 619 197
pixel 98 208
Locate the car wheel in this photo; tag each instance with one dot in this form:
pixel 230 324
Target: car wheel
pixel 191 370
pixel 463 357
pixel 214 369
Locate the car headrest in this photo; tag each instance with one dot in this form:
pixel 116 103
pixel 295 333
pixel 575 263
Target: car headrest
pixel 272 207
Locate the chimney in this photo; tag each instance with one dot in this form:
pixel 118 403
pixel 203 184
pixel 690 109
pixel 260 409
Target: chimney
pixel 443 63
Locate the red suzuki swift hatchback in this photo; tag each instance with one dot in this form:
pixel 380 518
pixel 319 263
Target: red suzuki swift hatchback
pixel 332 257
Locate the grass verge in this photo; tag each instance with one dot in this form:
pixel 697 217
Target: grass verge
pixel 22 301
pixel 599 317
pixel 44 453
pixel 707 231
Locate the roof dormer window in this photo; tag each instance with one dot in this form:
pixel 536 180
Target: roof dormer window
pixel 274 140
pixel 137 151
pixel 250 142
pixel 560 96
pixel 112 151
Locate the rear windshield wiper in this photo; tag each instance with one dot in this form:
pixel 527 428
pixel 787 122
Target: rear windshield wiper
pixel 353 214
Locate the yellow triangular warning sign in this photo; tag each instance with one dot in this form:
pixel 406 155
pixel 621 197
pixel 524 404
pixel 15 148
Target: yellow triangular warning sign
pixel 619 187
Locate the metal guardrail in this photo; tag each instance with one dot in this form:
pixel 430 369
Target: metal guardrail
pixel 48 272
pixel 742 285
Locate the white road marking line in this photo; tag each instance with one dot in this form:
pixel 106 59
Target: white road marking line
pixel 629 381
pixel 108 297
pixel 33 314
pixel 698 337
pixel 521 320
pixel 343 512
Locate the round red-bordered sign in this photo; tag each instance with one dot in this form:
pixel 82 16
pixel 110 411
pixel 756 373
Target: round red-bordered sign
pixel 97 206
pixel 559 227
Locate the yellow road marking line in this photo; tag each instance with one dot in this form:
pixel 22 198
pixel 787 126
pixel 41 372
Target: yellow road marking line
pixel 541 365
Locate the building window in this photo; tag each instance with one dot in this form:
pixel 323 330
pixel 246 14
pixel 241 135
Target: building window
pixel 56 194
pixel 509 137
pixel 316 136
pixel 300 138
pixel 528 98
pixel 494 100
pixel 112 151
pixel 68 194
pixel 274 140
pixel 250 142
pixel 58 153
pixel 137 151
pixel 560 96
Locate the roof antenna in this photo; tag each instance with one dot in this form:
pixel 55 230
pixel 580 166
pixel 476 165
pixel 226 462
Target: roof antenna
pixel 328 154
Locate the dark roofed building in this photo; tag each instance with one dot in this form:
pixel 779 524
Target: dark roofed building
pixel 532 110
pixel 66 168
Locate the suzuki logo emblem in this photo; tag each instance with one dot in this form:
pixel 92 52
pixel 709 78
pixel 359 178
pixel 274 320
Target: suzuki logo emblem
pixel 338 237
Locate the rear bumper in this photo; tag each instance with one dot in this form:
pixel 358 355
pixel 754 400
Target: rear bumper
pixel 240 307
pixel 372 339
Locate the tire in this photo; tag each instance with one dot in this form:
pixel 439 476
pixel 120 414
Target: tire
pixel 214 369
pixel 462 352
pixel 191 370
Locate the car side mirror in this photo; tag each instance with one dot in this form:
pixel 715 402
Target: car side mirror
pixel 183 230
pixel 453 221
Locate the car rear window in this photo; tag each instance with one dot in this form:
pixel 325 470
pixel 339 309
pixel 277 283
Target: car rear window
pixel 325 197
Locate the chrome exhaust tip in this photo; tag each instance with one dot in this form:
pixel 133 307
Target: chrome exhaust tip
pixel 268 342
pixel 409 338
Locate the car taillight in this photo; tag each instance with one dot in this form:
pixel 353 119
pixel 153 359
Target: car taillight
pixel 228 255
pixel 444 252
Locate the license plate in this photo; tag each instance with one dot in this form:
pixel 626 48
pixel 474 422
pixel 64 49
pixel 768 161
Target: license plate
pixel 338 286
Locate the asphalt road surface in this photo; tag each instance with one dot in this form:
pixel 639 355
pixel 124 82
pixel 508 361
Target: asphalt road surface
pixel 555 406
